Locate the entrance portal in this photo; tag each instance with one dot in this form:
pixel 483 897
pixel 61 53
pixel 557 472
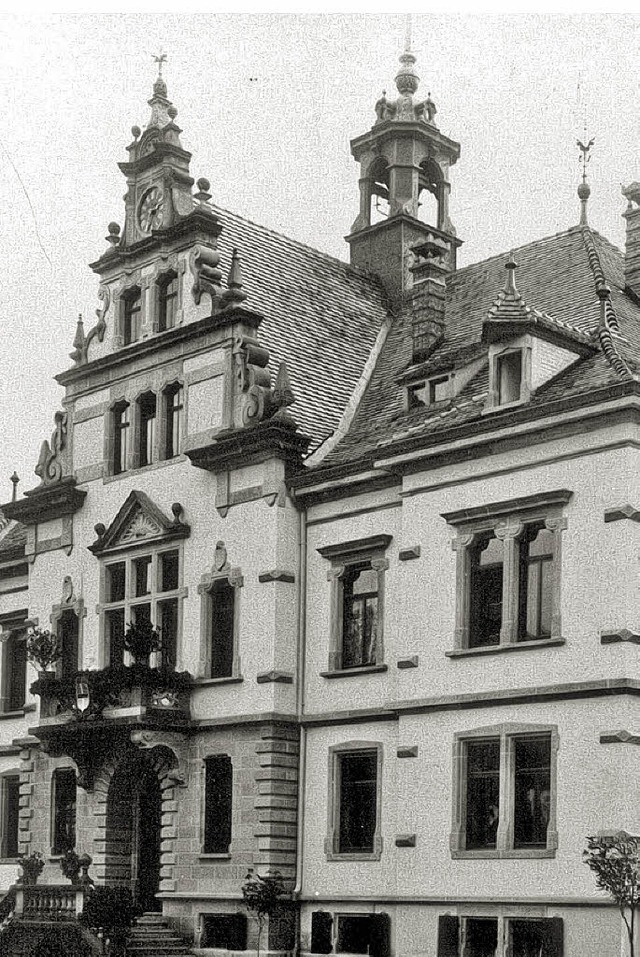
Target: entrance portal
pixel 134 808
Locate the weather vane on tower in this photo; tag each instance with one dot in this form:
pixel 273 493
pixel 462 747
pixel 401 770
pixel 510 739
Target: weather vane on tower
pixel 584 190
pixel 160 60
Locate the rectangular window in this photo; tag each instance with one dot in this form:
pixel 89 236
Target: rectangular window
pixel 64 810
pixel 364 934
pixel 357 772
pixel 114 622
pixel 222 598
pixel 360 615
pixel 10 809
pixel 321 932
pixel 147 435
pixel 168 302
pixel 224 931
pixel 169 632
pixel 506 795
pixel 169 570
pixel 67 630
pixel 132 315
pixel 218 799
pixel 174 424
pixel 438 389
pixel 532 791
pixel 487 561
pixel 508 562
pixel 482 937
pixel 16 670
pixel 509 377
pixel 483 793
pixel 120 438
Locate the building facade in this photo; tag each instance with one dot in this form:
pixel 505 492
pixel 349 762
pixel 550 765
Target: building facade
pixel 383 516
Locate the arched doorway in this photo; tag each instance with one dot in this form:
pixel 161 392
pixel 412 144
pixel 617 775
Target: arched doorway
pixel 134 810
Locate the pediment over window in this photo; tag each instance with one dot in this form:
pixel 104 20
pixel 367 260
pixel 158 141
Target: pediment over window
pixel 139 522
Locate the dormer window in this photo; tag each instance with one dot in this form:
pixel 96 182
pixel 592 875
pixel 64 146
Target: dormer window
pixel 132 315
pixel 147 432
pixel 429 393
pixel 167 301
pixel 509 377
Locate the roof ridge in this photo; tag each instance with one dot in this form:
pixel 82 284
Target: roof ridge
pixel 608 324
pixel 348 267
pixel 515 249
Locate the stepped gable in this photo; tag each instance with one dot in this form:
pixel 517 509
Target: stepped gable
pixel 557 276
pixel 321 316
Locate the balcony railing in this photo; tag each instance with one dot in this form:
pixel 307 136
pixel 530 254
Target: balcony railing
pixel 92 694
pixel 48 902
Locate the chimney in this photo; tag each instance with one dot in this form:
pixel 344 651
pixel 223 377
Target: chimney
pixel 429 294
pixel 632 244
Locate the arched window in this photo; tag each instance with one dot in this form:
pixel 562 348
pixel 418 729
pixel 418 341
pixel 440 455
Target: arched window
pixel 379 191
pixel 174 420
pixel 121 423
pixel 147 429
pixel 132 315
pixel 429 187
pixel 167 301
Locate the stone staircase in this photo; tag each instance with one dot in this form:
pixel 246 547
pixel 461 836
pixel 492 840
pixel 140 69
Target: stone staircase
pixel 153 936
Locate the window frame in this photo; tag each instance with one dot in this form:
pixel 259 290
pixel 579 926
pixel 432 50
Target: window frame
pixel 154 598
pixel 69 604
pixel 498 352
pixel 56 851
pixel 165 423
pixel 134 294
pixel 507 734
pixel 221 571
pixel 342 556
pixel 11 774
pixel 13 628
pixel 507 520
pixel 141 453
pixel 503 923
pixel 163 282
pixel 203 829
pixel 332 840
pixel 119 462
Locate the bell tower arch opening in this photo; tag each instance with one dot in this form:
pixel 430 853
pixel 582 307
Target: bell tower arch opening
pixel 430 194
pixel 378 183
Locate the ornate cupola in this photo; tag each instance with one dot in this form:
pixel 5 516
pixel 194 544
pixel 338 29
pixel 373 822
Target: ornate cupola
pixel 404 185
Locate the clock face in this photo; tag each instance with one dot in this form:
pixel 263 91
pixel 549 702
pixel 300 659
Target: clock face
pixel 151 210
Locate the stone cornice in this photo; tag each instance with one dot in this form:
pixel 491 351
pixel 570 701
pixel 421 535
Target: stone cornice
pixel 237 448
pixel 45 503
pixel 154 344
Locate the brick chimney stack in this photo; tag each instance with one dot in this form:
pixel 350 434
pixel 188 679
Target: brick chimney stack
pixel 632 245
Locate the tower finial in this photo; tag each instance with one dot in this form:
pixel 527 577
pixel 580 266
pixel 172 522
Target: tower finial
pixel 511 265
pixel 160 87
pixel 407 33
pixel 584 190
pixel 160 60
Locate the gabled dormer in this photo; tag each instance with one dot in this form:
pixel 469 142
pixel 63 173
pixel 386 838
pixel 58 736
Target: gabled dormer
pixel 526 347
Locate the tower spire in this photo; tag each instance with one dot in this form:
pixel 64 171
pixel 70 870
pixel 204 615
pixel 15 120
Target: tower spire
pixel 584 190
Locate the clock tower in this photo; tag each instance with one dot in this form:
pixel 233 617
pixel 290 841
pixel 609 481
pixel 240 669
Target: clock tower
pixel 158 180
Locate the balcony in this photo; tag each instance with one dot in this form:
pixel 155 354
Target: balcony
pixel 91 713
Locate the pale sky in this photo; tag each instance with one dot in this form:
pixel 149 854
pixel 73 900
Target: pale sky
pixel 268 104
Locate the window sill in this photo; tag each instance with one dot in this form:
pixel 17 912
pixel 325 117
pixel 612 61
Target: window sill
pixel 352 672
pixel 500 649
pixel 364 856
pixel 8 715
pixel 520 854
pixel 214 857
pixel 9 860
pixel 161 463
pixel 229 680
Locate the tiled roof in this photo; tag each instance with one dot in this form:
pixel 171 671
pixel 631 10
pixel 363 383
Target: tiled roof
pixel 320 315
pixel 557 277
pixel 13 537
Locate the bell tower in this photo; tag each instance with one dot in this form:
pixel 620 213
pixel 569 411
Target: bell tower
pixel 404 187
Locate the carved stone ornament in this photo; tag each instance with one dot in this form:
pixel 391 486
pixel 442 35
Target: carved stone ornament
pixel 206 275
pixel 68 596
pixel 81 343
pixel 140 527
pixel 220 557
pixel 49 468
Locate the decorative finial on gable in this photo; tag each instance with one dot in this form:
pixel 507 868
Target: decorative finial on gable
pixel 234 294
pixel 78 341
pixel 510 287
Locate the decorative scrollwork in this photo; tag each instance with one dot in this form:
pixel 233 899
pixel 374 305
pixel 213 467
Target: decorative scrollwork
pixel 81 343
pixel 49 468
pixel 206 275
